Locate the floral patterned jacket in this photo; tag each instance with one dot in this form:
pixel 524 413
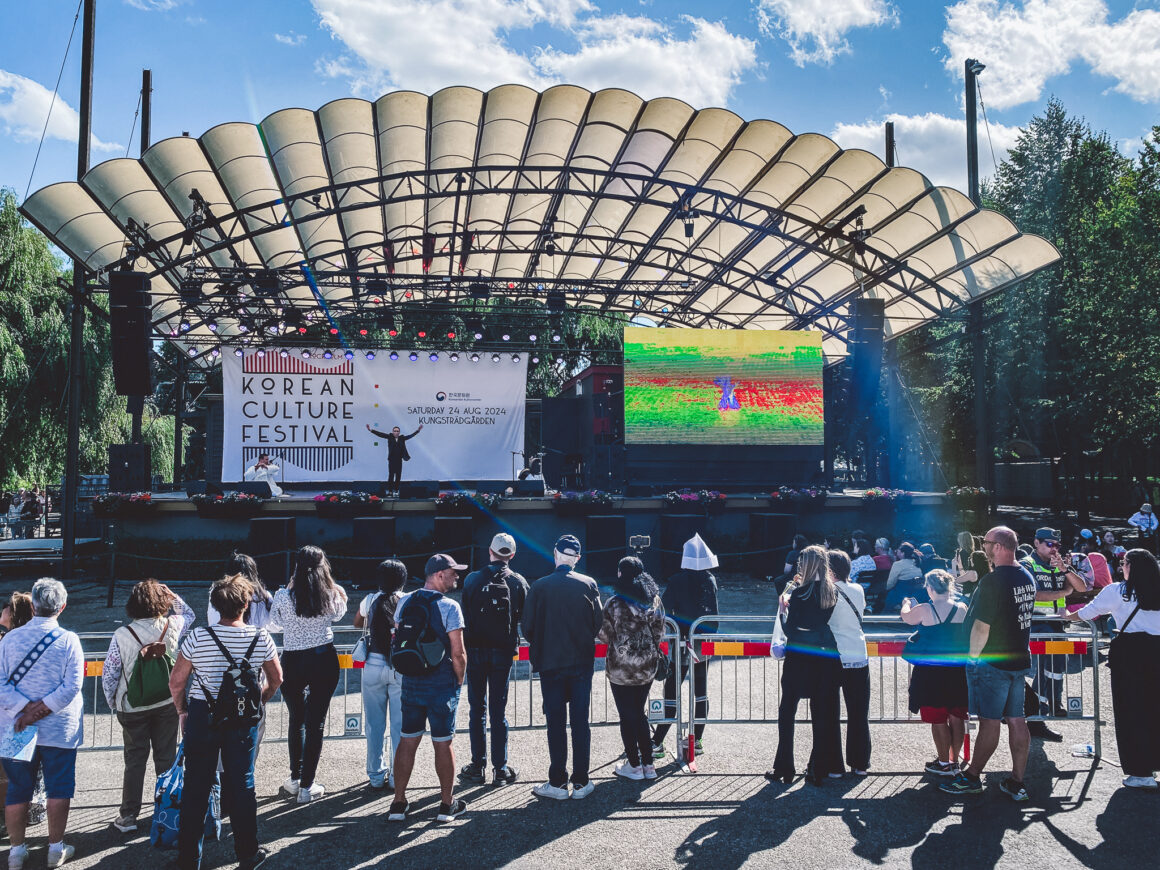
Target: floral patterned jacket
pixel 632 634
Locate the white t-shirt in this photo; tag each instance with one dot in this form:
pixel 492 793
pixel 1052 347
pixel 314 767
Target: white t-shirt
pixel 1111 601
pixel 208 662
pixel 259 616
pixel 448 608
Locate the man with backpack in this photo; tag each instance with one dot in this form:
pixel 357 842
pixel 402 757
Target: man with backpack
pixel 561 618
pixel 428 651
pixel 493 602
pixel 217 667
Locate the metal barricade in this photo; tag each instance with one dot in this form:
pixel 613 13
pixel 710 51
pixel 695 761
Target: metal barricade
pixel 744 680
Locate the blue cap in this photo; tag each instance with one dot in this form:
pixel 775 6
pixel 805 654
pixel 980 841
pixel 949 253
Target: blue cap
pixel 568 545
pixel 1085 533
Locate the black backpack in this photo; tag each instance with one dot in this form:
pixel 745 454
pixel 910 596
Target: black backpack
pixel 420 644
pixel 382 622
pixel 489 620
pixel 238 704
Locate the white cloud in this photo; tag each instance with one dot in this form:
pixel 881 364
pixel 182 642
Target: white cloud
pixel 1024 44
pixel 153 5
pixel 430 44
pixel 291 38
pixel 24 105
pixel 816 29
pixel 932 144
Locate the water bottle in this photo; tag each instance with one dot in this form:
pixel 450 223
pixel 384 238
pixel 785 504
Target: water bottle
pixel 1083 750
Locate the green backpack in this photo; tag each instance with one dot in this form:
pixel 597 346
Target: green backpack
pixel 149 683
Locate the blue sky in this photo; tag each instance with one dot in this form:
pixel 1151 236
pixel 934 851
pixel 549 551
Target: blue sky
pixel 839 68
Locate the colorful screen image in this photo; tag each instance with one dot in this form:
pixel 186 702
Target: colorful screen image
pixel 719 386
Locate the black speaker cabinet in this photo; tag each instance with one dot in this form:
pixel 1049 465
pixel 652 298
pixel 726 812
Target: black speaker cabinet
pixel 272 545
pixel 605 545
pixel 419 489
pixel 130 327
pixel 675 530
pixel 374 540
pixel 770 540
pixel 129 468
pixel 453 536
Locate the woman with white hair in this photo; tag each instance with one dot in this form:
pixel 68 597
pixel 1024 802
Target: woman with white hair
pixel 690 594
pixel 42 668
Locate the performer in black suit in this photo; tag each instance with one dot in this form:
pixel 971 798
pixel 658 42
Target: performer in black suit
pixel 396 454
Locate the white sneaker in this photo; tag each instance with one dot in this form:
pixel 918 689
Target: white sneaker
pixel 547 790
pixel 649 771
pixel 1141 782
pixel 16 856
pixel 56 858
pixel 312 793
pixel 290 786
pixel 578 794
pixel 627 771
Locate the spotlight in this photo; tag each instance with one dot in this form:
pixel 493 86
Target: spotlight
pixel 370 354
pixel 454 357
pixel 184 326
pixel 475 357
pixel 362 332
pixel 532 336
pixel 261 353
pixel 334 330
pixel 215 353
pixel 173 333
pixel 506 337
pixel 434 357
pixel 495 357
pixel 515 357
pixel 688 229
pixel 283 353
pixel 211 325
pixel 451 335
pixel 413 357
pixel 394 355
pixel 193 351
pixel 306 354
pixel 559 360
pixel 349 354
pixel 243 328
pixel 302 330
pixel 478 336
pixel 327 355
pixel 393 332
pixel 555 336
pixel 239 352
pixel 535 360
pixel 422 334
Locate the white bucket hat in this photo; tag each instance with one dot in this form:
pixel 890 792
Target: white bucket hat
pixel 697 555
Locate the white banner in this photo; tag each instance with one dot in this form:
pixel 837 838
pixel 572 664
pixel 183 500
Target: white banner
pixel 312 415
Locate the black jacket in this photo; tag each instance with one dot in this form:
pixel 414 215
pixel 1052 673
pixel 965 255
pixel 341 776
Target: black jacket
pixel 690 595
pixel 517 589
pixel 562 616
pixel 396 447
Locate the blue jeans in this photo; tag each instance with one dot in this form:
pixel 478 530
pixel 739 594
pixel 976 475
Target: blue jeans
pixel 993 693
pixel 487 676
pixel 566 693
pixel 382 687
pixel 238 749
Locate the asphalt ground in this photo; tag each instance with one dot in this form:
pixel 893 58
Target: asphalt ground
pixel 724 816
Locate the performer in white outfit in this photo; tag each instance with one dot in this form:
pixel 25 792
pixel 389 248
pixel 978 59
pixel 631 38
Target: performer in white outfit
pixel 265 470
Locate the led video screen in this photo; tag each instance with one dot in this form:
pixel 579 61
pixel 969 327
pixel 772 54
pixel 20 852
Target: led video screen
pixel 717 386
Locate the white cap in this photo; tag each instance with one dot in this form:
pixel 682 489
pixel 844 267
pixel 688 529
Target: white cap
pixel 697 555
pixel 503 544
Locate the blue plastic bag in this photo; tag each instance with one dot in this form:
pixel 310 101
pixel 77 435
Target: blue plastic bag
pixel 167 806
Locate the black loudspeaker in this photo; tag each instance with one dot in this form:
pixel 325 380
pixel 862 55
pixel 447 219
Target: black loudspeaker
pixel 272 546
pixel 868 318
pixel 528 488
pixel 260 488
pixel 374 540
pixel 373 487
pixel 129 468
pixel 453 536
pixel 639 490
pixel 419 489
pixel 675 530
pixel 770 540
pixel 130 326
pixel 605 546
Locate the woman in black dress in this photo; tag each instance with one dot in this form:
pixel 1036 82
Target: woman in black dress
pixel 811 669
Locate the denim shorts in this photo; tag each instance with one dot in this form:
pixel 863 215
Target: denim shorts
pixel 60 775
pixel 436 704
pixel 993 693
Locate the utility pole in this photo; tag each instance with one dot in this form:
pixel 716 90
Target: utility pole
pixel 77 335
pixel 971 70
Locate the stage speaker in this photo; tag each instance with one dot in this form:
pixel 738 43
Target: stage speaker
pixel 419 489
pixel 560 435
pixel 494 486
pixel 770 540
pixel 605 545
pixel 272 545
pixel 528 488
pixel 374 540
pixel 260 488
pixel 130 326
pixel 675 530
pixel 639 490
pixel 129 468
pixel 453 536
pixel 868 318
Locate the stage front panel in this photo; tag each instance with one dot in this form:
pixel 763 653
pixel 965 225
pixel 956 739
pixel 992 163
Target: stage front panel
pixel 312 415
pixel 718 386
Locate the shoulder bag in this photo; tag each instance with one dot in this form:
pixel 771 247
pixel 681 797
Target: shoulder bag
pixel 361 651
pixel 1115 657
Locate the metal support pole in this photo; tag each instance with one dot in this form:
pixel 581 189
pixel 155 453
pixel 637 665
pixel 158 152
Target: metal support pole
pixel 137 404
pixel 72 458
pixel 972 68
pixel 890 144
pixel 178 420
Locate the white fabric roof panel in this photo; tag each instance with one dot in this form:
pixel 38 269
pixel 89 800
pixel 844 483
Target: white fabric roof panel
pixel 563 186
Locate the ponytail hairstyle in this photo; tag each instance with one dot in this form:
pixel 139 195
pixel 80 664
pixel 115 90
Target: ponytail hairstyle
pixel 240 563
pixel 634 583
pixel 814 568
pixel 311 584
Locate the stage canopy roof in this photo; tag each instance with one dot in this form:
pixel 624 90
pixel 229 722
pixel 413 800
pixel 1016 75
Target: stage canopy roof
pixel 684 217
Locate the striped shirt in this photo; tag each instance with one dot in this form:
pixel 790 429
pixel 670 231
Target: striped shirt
pixel 208 662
